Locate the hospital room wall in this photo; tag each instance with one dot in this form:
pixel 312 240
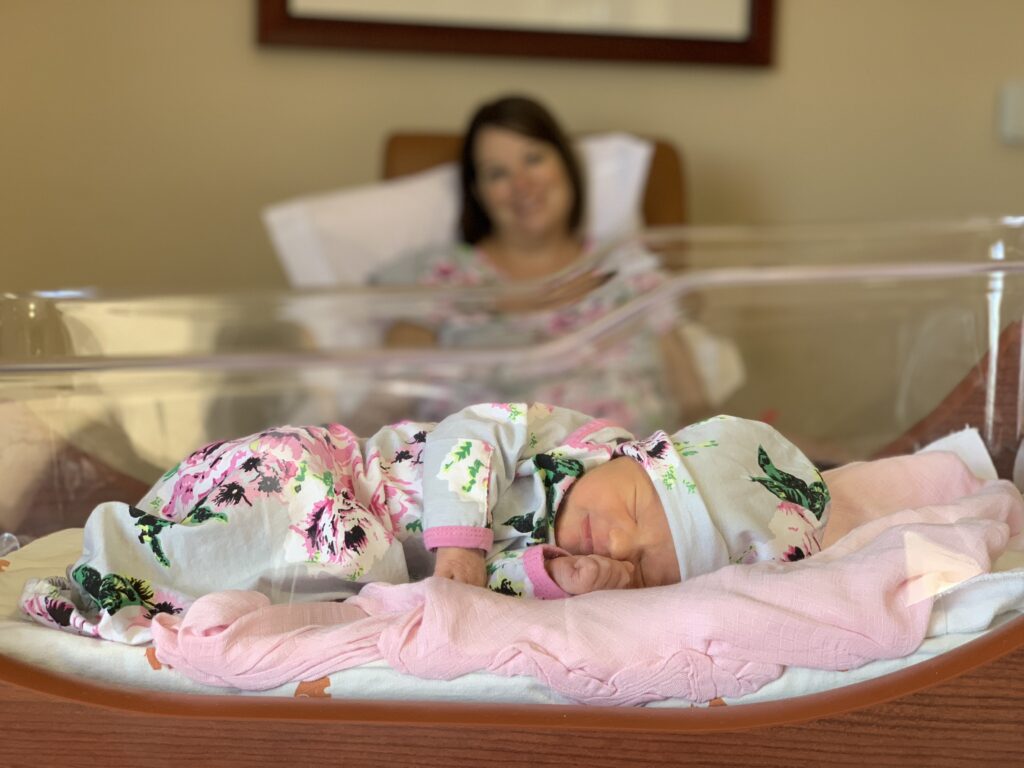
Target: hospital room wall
pixel 139 141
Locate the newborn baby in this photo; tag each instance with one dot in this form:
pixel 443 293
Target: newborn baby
pixel 529 500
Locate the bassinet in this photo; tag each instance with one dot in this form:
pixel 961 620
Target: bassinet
pixel 856 341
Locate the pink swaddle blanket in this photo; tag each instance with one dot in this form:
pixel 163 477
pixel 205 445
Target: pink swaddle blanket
pixel 866 597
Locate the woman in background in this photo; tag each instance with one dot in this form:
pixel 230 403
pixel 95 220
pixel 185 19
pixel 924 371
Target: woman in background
pixel 523 203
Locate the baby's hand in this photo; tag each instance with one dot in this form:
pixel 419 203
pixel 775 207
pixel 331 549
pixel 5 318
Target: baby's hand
pixel 462 565
pixel 579 574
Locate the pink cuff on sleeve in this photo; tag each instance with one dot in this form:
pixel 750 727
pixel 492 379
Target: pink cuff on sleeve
pixel 463 536
pixel 587 430
pixel 544 586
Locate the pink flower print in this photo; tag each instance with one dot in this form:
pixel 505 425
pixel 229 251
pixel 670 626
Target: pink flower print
pixel 282 441
pixel 208 454
pixel 338 531
pixel 49 604
pixel 792 554
pixel 183 494
pixel 795 532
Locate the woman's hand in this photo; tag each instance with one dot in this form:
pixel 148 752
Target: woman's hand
pixel 462 565
pixel 580 574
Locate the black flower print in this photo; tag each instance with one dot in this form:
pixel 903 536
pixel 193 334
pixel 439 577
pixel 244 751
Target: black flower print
pixel 658 450
pixel 252 463
pixel 230 493
pixel 355 538
pixel 812 496
pixel 505 588
pixel 269 484
pixel 59 611
pixel 793 554
pixel 162 607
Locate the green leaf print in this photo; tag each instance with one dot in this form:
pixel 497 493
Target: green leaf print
pixel 416 526
pixel 461 453
pixel 474 470
pixel 813 496
pixel 300 476
pixel 113 591
pixel 686 448
pixel 328 481
pixel 150 527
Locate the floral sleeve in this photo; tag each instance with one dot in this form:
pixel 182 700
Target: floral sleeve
pixel 470 461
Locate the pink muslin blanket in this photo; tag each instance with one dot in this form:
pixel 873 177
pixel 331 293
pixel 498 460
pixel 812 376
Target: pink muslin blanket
pixel 867 596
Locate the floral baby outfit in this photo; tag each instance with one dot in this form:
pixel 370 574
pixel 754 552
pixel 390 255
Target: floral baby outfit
pixel 309 513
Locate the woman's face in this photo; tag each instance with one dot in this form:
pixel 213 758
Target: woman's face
pixel 523 186
pixel 614 510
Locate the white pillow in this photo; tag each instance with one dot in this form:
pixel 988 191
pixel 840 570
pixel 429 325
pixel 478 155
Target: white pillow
pixel 341 237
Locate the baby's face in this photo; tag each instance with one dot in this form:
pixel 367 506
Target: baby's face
pixel 614 510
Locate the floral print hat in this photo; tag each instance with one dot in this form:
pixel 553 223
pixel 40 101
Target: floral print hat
pixel 734 491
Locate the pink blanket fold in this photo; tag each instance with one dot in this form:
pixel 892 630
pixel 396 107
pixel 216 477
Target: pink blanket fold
pixel 866 597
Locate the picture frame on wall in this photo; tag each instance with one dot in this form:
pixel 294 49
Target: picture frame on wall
pixel 729 32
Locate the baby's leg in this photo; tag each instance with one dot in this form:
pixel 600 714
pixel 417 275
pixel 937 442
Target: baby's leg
pixel 291 493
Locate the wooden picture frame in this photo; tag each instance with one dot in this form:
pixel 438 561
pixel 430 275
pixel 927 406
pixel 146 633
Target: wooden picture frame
pixel 280 24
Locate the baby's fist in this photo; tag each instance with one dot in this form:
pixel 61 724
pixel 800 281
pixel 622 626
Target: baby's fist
pixel 580 574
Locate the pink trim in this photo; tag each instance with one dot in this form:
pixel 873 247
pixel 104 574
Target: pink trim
pixel 544 587
pixel 463 536
pixel 587 430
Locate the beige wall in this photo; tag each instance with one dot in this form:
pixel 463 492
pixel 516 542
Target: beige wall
pixel 139 139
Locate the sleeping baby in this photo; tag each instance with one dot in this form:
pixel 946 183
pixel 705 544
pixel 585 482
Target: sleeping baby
pixel 528 500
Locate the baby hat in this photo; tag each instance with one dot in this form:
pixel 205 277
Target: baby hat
pixel 734 491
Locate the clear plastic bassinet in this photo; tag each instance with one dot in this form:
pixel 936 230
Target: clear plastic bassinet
pixel 842 337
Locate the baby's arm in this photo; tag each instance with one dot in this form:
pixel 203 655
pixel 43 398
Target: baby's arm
pixel 463 565
pixel 469 462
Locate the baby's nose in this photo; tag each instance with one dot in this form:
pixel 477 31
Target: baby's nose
pixel 621 545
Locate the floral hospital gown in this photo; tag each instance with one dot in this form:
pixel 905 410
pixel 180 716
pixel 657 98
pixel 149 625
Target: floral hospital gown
pixel 630 386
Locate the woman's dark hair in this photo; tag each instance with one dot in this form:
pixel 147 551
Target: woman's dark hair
pixel 524 116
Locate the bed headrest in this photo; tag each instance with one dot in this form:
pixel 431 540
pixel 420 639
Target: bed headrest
pixel 341 236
